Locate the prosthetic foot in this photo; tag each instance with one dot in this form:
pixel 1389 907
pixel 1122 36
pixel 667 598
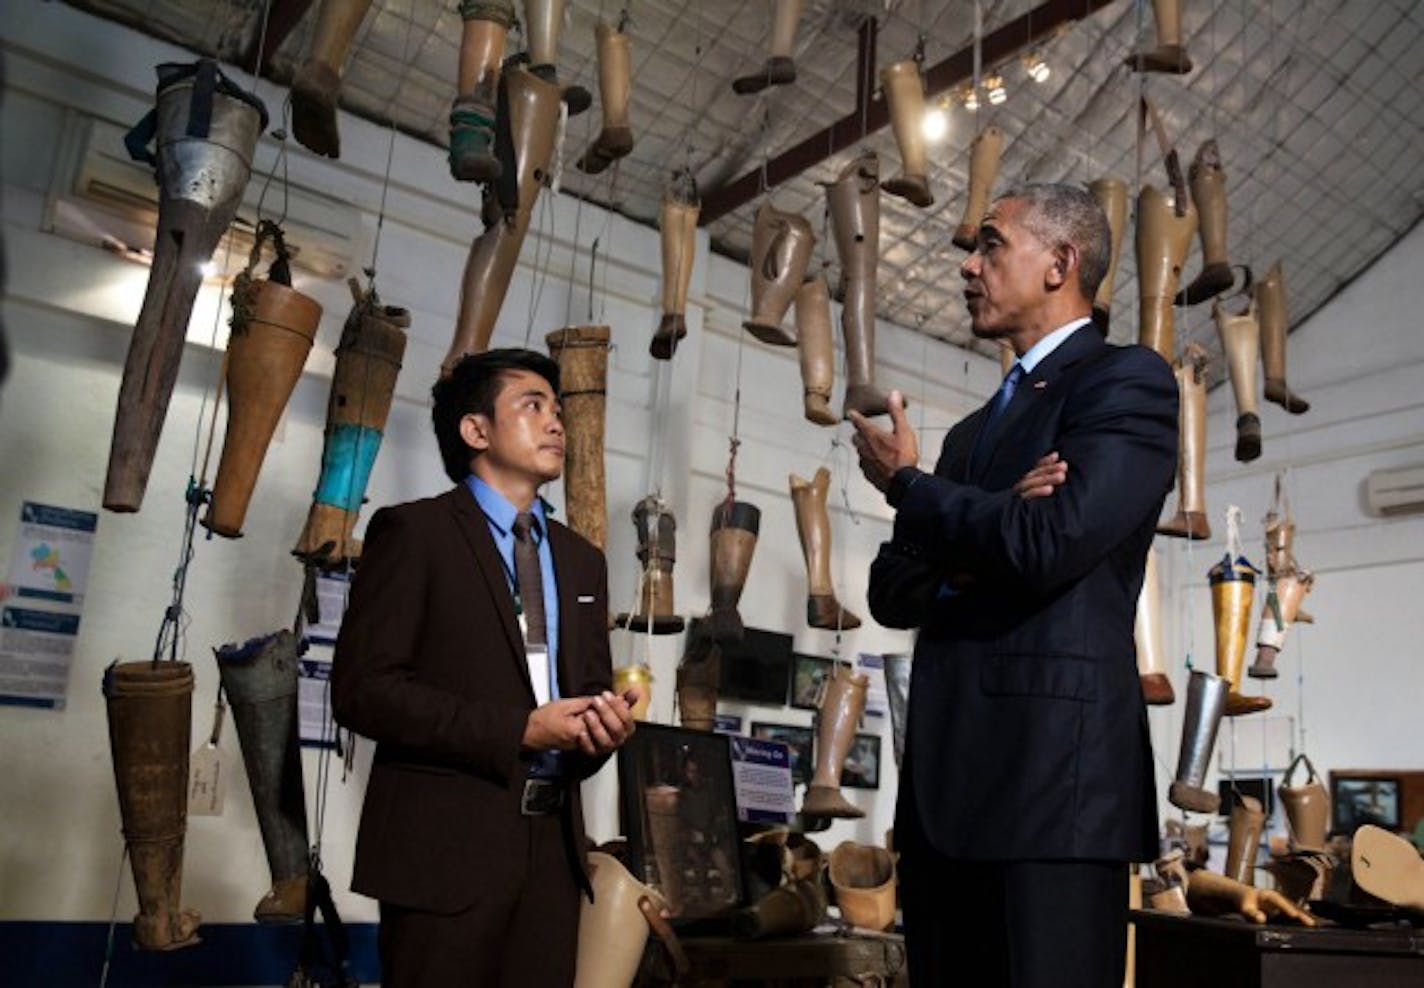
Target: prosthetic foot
pixel 1233 585
pixel 779 69
pixel 854 200
pixel 781 250
pixel 813 524
pixel 1190 520
pixel 984 154
pixel 1162 241
pixel 1111 194
pixel 1271 303
pixel 1206 704
pixel 1240 341
pixel 813 346
pixel 1169 56
pixel 905 95
pixel 1247 819
pixel 734 538
pixel 1388 867
pixel 1147 631
pixel 657 551
pixel 838 715
pixel 863 877
pixel 582 355
pixel 316 88
pixel 1281 611
pixel 677 226
pixel 1208 184
pixel 472 119
pixel 1307 807
pixel 615 74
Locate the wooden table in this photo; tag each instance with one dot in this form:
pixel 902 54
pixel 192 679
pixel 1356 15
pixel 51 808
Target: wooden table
pixel 809 960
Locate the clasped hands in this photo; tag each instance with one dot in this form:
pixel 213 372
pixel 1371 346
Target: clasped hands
pixel 596 725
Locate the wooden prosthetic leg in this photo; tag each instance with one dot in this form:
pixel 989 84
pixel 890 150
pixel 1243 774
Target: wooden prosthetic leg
pixel 837 717
pixel 1271 305
pixel 813 346
pixel 615 74
pixel 316 88
pixel 781 251
pixel 472 118
pixel 582 355
pixel 1240 341
pixel 1169 56
pixel 657 551
pixel 1233 586
pixel 735 525
pixel 1190 520
pixel 677 229
pixel 779 69
pixel 813 524
pixel 1247 819
pixel 905 95
pixel 984 154
pixel 854 200
pixel 1208 184
pixel 1111 194
pixel 1147 631
pixel 1162 241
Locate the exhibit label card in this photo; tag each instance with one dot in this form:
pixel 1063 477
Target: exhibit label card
pixel 331 605
pixel 313 702
pixel 36 650
pixel 761 777
pixel 872 665
pixel 50 559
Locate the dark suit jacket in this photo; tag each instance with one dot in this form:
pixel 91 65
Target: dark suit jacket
pixel 1027 734
pixel 430 665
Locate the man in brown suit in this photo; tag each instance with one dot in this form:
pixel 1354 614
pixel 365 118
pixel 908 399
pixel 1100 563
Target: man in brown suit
pixel 475 653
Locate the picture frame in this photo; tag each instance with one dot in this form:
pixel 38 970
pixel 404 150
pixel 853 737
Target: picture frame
pixel 1358 798
pixel 808 672
pixel 862 764
pixel 679 812
pixel 801 741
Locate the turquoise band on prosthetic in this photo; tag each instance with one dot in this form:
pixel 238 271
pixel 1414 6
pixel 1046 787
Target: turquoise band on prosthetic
pixel 346 463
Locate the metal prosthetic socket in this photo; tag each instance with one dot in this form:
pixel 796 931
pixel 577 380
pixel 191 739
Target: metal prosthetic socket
pixel 1147 632
pixel 1111 194
pixel 472 117
pixel 781 252
pixel 1208 185
pixel 1190 521
pixel 837 717
pixel 735 525
pixel 854 199
pixel 640 676
pixel 863 877
pixel 897 688
pixel 316 88
pixel 905 96
pixel 813 524
pixel 792 909
pixel 582 355
pixel 677 230
pixel 544 26
pixel 984 154
pixel 1206 704
pixel 657 551
pixel 1247 819
pixel 1169 55
pixel 779 69
pixel 615 73
pixel 1307 807
pixel 1271 305
pixel 1233 586
pixel 614 926
pixel 206 131
pixel 1163 236
pixel 1240 341
pixel 814 349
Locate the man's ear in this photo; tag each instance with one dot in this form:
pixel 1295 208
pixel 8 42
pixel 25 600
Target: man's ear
pixel 1065 263
pixel 474 430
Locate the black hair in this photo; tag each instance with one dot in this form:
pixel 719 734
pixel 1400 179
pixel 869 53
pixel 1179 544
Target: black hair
pixel 1066 214
pixel 471 388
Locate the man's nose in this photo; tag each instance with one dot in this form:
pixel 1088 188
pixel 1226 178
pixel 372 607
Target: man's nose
pixel 969 267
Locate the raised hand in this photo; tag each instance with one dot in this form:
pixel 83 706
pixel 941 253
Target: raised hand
pixel 882 451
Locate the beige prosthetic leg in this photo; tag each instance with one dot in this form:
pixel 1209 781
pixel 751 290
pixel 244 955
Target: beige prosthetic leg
pixel 614 925
pixel 316 88
pixel 735 525
pixel 864 879
pixel 1190 520
pixel 813 524
pixel 779 69
pixel 781 251
pixel 534 116
pixel 1233 585
pixel 472 118
pixel 677 226
pixel 984 154
pixel 582 355
pixel 1208 184
pixel 1247 819
pixel 1151 669
pixel 544 26
pixel 837 716
pixel 1169 56
pixel 615 75
pixel 854 200
pixel 1307 808
pixel 1162 241
pixel 1282 609
pixel 1240 341
pixel 1206 704
pixel 905 95
pixel 1271 303
pixel 1111 194
pixel 813 346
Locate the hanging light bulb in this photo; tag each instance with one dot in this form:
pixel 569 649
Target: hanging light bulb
pixel 935 123
pixel 1035 66
pixel 969 96
pixel 994 86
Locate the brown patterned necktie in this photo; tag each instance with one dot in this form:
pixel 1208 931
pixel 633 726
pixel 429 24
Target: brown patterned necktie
pixel 531 579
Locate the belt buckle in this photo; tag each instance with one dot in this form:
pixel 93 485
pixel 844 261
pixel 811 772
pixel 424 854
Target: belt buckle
pixel 541 797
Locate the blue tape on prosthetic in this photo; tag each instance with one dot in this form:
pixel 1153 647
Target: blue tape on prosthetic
pixel 346 464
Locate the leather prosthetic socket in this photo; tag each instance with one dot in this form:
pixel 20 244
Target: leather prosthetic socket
pixel 615 73
pixel 854 200
pixel 368 359
pixel 1162 241
pixel 735 525
pixel 838 715
pixel 813 347
pixel 781 251
pixel 206 130
pixel 316 88
pixel 1271 306
pixel 260 680
pixel 1169 56
pixel 1147 632
pixel 472 117
pixel 1111 194
pixel 698 677
pixel 544 26
pixel 1208 185
pixel 813 524
pixel 614 925
pixel 534 117
pixel 1247 819
pixel 779 69
pixel 792 909
pixel 984 152
pixel 1190 520
pixel 1206 704
pixel 1282 609
pixel 863 877
pixel 677 229
pixel 1307 807
pixel 150 722
pixel 582 355
pixel 1233 586
pixel 657 551
pixel 1240 341
pixel 905 96
pixel 897 688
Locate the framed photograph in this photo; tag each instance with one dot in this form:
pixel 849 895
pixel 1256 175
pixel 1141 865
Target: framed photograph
pixel 1356 800
pixel 862 764
pixel 808 672
pixel 679 813
pixel 800 740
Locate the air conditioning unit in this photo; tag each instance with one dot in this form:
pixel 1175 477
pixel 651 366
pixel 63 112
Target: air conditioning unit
pixel 1399 491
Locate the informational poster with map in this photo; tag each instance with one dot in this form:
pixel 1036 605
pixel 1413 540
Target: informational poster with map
pixel 50 560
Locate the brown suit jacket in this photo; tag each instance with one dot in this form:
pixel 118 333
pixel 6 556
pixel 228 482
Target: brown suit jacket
pixel 430 665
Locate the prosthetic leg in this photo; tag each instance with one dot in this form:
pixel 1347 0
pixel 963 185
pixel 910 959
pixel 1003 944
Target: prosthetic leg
pixel 1111 194
pixel 1206 704
pixel 1271 302
pixel 316 88
pixel 813 524
pixel 790 910
pixel 854 200
pixel 781 250
pixel 150 722
pixel 1281 611
pixel 543 26
pixel 905 95
pixel 368 359
pixel 1190 520
pixel 640 676
pixel 984 154
pixel 1307 808
pixel 1162 241
pixel 614 925
pixel 206 131
pixel 1208 184
pixel 666 834
pixel 864 879
pixel 1172 874
pixel 897 688
pixel 813 346
pixel 534 116
pixel 698 678
pixel 1247 819
pixel 260 680
pixel 615 74
pixel 1240 341
pixel 582 355
pixel 734 537
pixel 1169 56
pixel 472 118
pixel 677 225
pixel 779 70
pixel 1233 585
pixel 657 551
pixel 1151 669
pixel 837 716
pixel 1388 867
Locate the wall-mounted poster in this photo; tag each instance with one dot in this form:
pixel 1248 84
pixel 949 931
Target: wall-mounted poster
pixel 808 672
pixel 862 764
pixel 800 740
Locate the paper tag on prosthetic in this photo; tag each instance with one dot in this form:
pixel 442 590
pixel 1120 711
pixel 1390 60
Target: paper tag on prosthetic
pixel 206 781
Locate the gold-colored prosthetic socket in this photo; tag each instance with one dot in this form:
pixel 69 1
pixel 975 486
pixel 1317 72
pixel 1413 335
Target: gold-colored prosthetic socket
pixel 813 347
pixel 1307 807
pixel 1147 632
pixel 677 227
pixel 735 525
pixel 640 676
pixel 657 551
pixel 485 31
pixel 779 69
pixel 1388 867
pixel 615 75
pixel 1271 305
pixel 813 524
pixel 905 96
pixel 838 713
pixel 792 909
pixel 1190 520
pixel 614 925
pixel 854 199
pixel 984 154
pixel 1233 585
pixel 1111 194
pixel 316 88
pixel 1169 56
pixel 1241 342
pixel 1208 184
pixel 582 355
pixel 1206 704
pixel 781 251
pixel 864 880
pixel 1162 241
pixel 1282 609
pixel 1247 819
pixel 534 117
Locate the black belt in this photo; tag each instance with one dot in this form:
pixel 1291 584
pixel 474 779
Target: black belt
pixel 541 797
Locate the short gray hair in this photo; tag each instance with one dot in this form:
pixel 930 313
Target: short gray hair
pixel 1066 214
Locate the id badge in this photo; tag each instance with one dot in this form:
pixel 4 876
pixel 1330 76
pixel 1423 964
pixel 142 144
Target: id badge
pixel 538 659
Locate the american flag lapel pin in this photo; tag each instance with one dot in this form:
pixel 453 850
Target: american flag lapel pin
pixel 1039 385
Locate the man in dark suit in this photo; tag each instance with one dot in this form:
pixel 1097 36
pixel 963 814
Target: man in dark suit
pixel 475 653
pixel 1027 784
